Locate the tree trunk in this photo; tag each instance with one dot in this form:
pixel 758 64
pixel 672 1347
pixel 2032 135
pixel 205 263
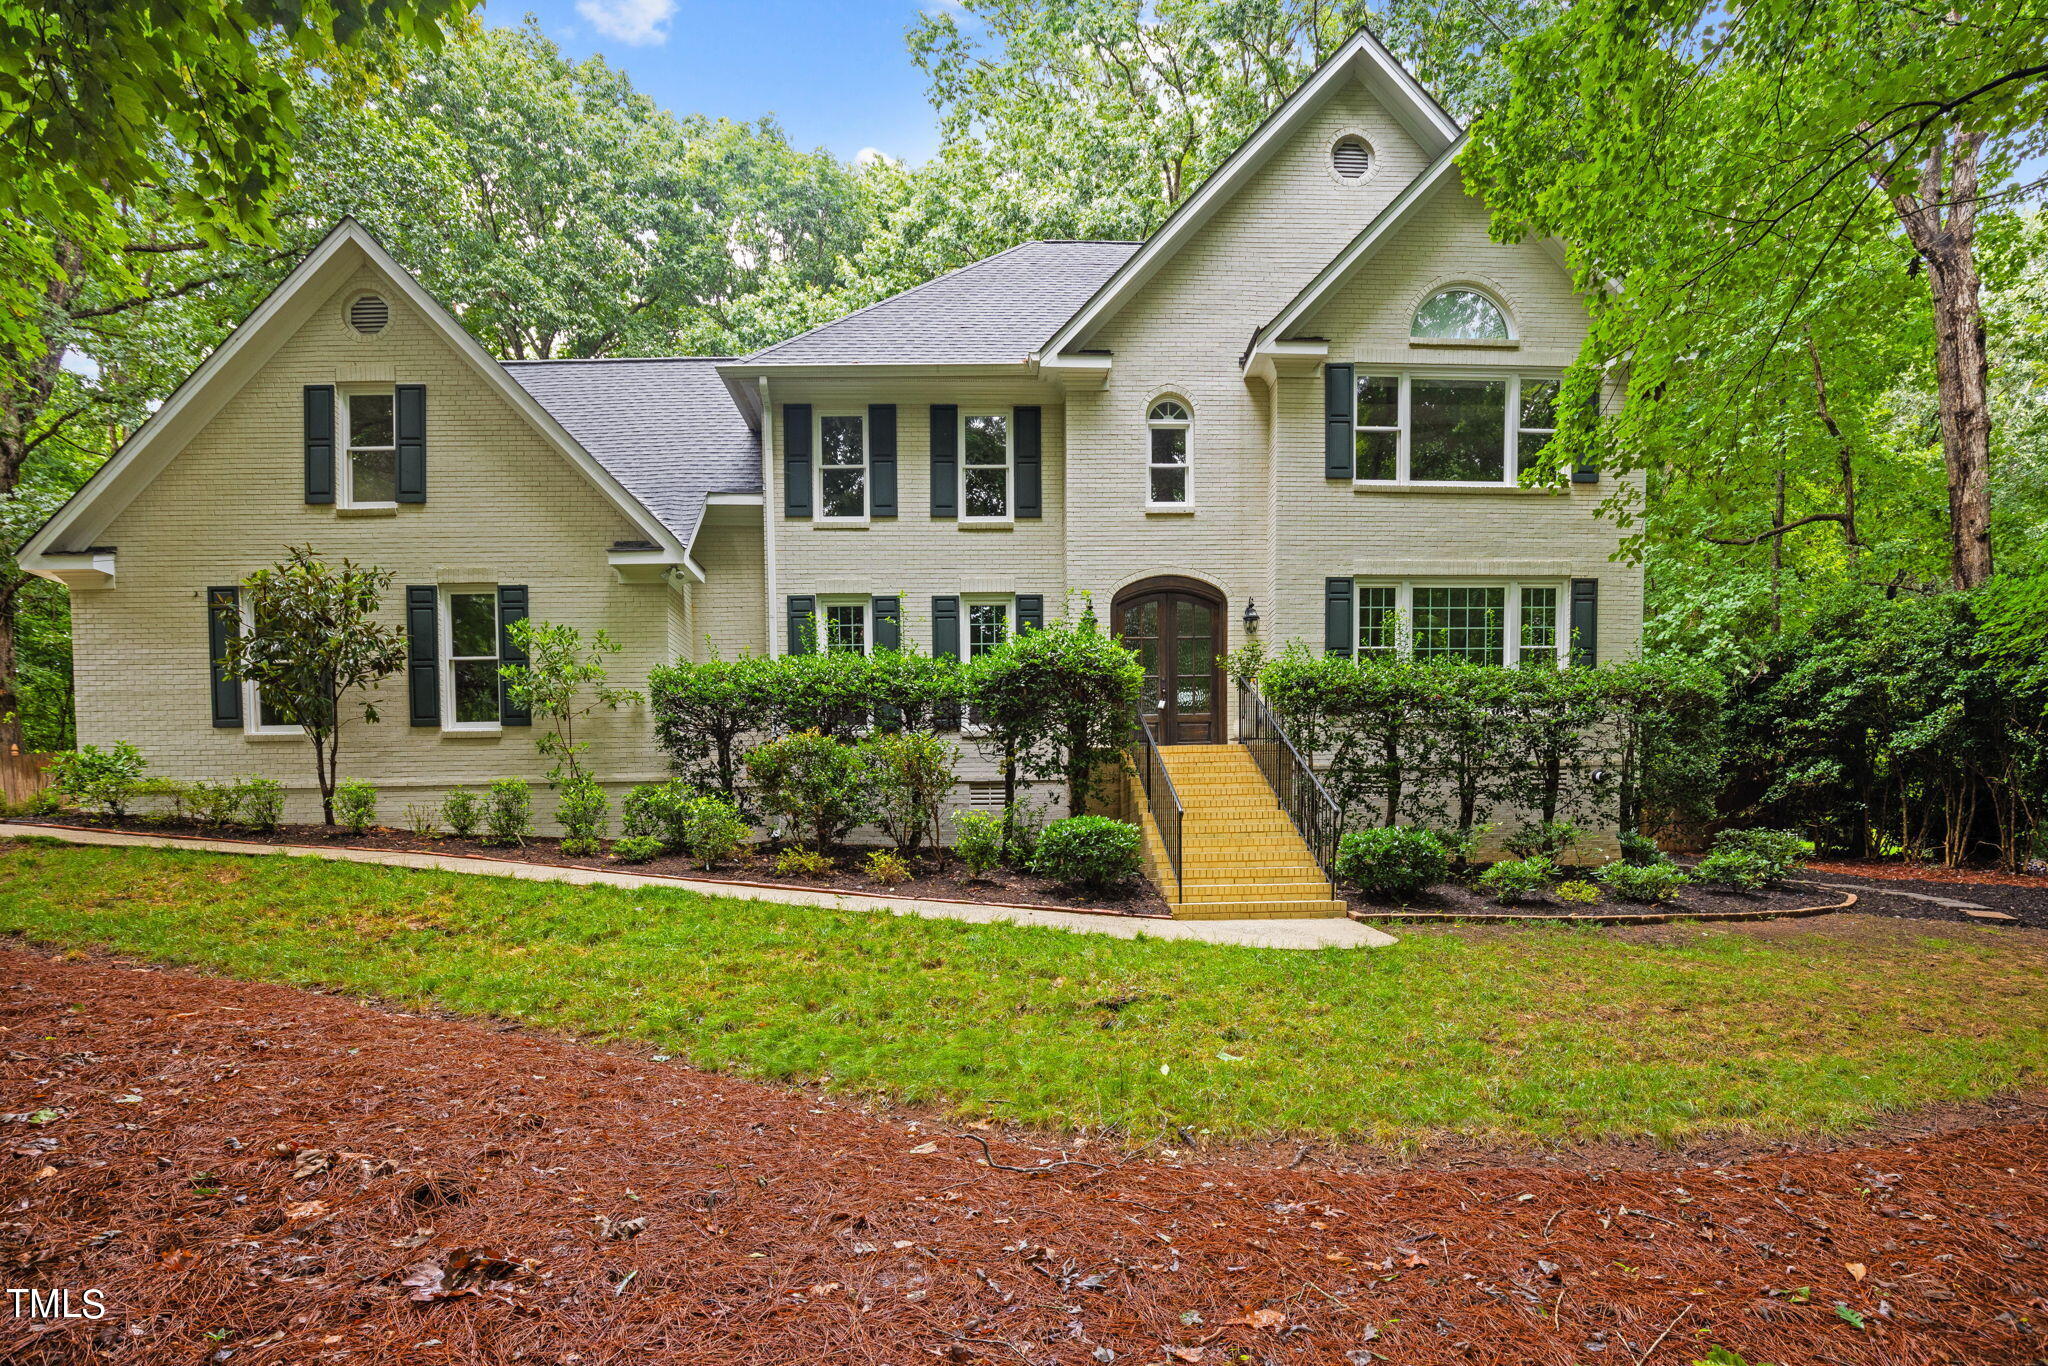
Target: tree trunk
pixel 1941 222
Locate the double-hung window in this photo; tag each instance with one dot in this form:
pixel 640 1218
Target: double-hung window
pixel 844 626
pixel 1479 623
pixel 988 626
pixel 369 468
pixel 1450 429
pixel 263 716
pixel 470 681
pixel 985 467
pixel 1168 425
pixel 842 467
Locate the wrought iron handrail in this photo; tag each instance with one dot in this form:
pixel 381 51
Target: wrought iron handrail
pixel 1159 794
pixel 1296 788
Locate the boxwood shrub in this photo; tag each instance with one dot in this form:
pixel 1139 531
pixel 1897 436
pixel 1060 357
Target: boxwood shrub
pixel 1094 853
pixel 1395 862
pixel 1645 883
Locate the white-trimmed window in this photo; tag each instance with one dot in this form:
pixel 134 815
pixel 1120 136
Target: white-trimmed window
pixel 1450 429
pixel 843 625
pixel 1460 314
pixel 988 625
pixel 985 467
pixel 369 447
pixel 259 715
pixel 1480 622
pixel 842 467
pixel 470 681
pixel 1166 476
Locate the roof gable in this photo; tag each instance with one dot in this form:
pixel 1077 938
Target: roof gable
pixel 1362 58
pixel 221 375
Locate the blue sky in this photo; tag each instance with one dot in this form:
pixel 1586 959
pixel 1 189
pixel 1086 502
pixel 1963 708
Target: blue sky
pixel 836 74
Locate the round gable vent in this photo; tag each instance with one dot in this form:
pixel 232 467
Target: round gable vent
pixel 369 314
pixel 1351 158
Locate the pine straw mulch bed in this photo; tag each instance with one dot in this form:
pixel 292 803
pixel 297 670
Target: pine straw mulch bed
pixel 1455 901
pixel 938 876
pixel 260 1175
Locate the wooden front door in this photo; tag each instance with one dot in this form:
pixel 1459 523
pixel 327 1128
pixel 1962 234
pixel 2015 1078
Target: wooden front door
pixel 1176 628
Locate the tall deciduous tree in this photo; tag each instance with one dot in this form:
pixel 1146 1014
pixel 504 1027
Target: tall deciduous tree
pixel 1716 173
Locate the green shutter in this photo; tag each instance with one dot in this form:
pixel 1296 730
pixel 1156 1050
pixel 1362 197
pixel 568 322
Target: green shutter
pixel 1025 450
pixel 409 410
pixel 1337 617
pixel 1585 623
pixel 1339 449
pixel 796 459
pixel 803 624
pixel 946 645
pixel 1030 611
pixel 422 654
pixel 888 614
pixel 512 606
pixel 1585 474
pixel 946 462
pixel 881 460
pixel 223 624
pixel 319 416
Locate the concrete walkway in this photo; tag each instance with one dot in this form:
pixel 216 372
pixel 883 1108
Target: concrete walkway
pixel 1259 934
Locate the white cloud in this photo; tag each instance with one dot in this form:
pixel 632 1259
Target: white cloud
pixel 640 22
pixel 873 156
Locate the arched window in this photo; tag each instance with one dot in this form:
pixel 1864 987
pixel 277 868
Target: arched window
pixel 1167 473
pixel 1460 315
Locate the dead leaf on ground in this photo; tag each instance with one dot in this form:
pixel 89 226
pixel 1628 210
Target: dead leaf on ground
pixel 463 1271
pixel 608 1227
pixel 1856 1269
pixel 1271 1320
pixel 180 1259
pixel 305 1209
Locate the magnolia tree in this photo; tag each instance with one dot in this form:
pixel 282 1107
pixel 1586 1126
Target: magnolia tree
pixel 314 648
pixel 562 681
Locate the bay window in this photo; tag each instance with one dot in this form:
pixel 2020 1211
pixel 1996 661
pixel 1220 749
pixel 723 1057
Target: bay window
pixel 1450 429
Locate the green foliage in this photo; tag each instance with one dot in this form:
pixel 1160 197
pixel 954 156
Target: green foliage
pixel 886 867
pixel 1394 863
pixel 1647 883
pixel 704 713
pixel 910 774
pixel 1576 892
pixel 1640 851
pixel 1093 853
pixel 355 805
pixel 1057 702
pixel 978 840
pixel 1786 851
pixel 712 830
pixel 98 779
pixel 316 640
pixel 508 812
pixel 818 784
pixel 213 804
pixel 462 812
pixel 802 863
pixel 1551 839
pixel 259 803
pixel 657 809
pixel 1736 869
pixel 561 681
pixel 637 848
pixel 1513 879
pixel 583 812
pixel 422 819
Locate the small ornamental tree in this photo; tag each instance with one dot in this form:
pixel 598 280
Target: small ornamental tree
pixel 562 680
pixel 704 712
pixel 314 648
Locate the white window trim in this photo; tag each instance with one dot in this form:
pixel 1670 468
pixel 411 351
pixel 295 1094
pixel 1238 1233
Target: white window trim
pixel 344 454
pixel 968 602
pixel 1510 436
pixel 445 657
pixel 252 704
pixel 1187 466
pixel 1507 317
pixel 1009 417
pixel 866 467
pixel 1511 624
pixel 867 620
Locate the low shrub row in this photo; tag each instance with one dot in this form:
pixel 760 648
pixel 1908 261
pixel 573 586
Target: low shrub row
pixel 1399 863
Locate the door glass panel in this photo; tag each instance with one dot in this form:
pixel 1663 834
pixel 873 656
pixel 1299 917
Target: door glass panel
pixel 1193 625
pixel 1141 634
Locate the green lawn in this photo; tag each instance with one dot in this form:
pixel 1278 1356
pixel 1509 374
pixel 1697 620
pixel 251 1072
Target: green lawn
pixel 1536 1032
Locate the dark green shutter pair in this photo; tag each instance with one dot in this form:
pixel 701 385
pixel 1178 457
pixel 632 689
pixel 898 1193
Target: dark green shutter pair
pixel 1340 451
pixel 423 652
pixel 803 623
pixel 797 456
pixel 1339 625
pixel 1027 453
pixel 409 422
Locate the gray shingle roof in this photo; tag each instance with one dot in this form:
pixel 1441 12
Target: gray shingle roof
pixel 666 428
pixel 996 311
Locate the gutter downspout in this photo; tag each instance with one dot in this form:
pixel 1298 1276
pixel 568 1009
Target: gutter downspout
pixel 768 575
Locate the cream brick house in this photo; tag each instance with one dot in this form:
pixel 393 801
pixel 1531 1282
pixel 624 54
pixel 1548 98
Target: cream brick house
pixel 1300 404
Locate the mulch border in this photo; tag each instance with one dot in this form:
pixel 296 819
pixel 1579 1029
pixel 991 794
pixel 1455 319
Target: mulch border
pixel 1581 918
pixel 623 870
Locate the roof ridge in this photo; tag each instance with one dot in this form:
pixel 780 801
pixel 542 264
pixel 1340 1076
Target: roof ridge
pixel 609 360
